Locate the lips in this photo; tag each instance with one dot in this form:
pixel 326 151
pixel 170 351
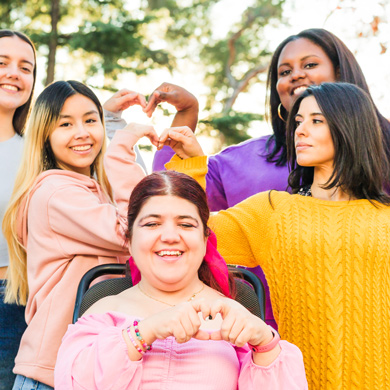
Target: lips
pixel 81 148
pixel 10 87
pixel 302 145
pixel 299 90
pixel 173 253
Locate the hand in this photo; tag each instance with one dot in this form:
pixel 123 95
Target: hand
pixel 179 97
pixel 143 131
pixel 124 99
pixel 181 321
pixel 239 326
pixel 182 140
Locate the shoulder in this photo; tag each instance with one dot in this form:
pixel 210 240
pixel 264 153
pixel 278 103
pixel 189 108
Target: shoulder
pixel 253 145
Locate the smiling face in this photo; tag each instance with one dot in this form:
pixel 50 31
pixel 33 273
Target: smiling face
pixel 168 243
pixel 78 135
pixel 16 73
pixel 313 141
pixel 301 64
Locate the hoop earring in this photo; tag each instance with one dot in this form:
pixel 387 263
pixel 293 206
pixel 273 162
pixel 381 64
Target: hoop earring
pixel 279 113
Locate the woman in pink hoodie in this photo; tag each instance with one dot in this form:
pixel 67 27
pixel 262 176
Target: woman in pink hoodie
pixel 65 216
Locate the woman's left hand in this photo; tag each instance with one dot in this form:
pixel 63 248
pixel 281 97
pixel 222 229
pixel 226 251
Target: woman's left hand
pixel 182 140
pixel 140 131
pixel 239 326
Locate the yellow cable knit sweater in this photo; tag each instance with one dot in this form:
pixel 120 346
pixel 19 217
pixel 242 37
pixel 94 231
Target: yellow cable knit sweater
pixel 328 268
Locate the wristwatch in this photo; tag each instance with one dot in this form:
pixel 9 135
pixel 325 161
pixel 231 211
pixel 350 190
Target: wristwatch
pixel 266 347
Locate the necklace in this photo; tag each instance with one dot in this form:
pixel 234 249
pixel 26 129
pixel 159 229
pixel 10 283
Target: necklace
pixel 169 304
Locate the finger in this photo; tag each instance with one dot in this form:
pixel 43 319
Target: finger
pixel 216 335
pixel 152 103
pixel 200 305
pixel 201 335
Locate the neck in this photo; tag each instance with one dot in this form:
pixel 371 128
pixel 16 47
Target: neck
pixel 321 176
pixel 6 127
pixel 172 296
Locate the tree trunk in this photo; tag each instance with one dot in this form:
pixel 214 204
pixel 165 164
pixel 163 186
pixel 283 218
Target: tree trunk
pixel 53 41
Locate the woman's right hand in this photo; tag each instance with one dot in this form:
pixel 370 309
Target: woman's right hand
pixel 123 99
pixel 181 321
pixel 182 140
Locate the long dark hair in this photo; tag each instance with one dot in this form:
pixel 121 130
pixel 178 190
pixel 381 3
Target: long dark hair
pixel 21 113
pixel 360 164
pixel 185 187
pixel 347 69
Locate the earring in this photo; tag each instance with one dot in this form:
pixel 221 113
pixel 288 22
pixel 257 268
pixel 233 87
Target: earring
pixel 279 113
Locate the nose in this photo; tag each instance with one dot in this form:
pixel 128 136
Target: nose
pixel 170 234
pixel 81 131
pixel 297 73
pixel 301 129
pixel 13 71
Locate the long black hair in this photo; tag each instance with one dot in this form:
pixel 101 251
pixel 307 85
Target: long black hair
pixel 360 165
pixel 347 69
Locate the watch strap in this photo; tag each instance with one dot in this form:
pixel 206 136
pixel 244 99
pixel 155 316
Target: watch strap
pixel 266 347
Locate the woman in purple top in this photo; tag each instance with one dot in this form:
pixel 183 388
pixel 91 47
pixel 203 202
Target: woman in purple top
pixel 311 57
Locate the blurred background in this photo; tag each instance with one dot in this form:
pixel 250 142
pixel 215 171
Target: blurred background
pixel 217 49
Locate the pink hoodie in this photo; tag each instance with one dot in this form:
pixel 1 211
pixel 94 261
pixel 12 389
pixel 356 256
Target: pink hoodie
pixel 69 226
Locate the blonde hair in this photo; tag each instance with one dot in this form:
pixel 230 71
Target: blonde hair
pixel 35 160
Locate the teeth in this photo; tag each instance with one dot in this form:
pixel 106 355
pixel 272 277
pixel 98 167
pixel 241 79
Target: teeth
pixel 169 253
pixel 10 87
pixel 81 148
pixel 299 90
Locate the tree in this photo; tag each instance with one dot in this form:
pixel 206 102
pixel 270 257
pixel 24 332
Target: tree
pixel 109 39
pixel 232 64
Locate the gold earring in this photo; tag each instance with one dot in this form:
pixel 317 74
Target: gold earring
pixel 279 113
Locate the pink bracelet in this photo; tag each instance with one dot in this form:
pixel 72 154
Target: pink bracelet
pixel 136 346
pixel 139 337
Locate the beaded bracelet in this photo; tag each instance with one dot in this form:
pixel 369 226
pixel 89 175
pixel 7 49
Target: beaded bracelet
pixel 136 346
pixel 139 337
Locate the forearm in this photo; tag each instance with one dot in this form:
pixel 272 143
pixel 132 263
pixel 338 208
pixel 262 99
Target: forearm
pixel 187 117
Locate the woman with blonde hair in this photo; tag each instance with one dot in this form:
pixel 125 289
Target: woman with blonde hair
pixel 62 219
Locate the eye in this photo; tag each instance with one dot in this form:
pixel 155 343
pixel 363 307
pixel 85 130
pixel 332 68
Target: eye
pixel 65 124
pixel 187 225
pixel 91 120
pixel 26 70
pixel 311 65
pixel 150 224
pixel 317 121
pixel 284 72
pixel 297 123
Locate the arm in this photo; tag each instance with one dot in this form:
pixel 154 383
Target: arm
pixel 113 109
pixel 242 233
pixel 287 371
pixel 187 108
pixel 94 355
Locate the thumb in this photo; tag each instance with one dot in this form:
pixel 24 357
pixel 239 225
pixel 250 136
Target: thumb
pixel 201 335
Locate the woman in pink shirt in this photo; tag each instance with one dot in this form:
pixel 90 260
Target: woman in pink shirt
pixel 178 327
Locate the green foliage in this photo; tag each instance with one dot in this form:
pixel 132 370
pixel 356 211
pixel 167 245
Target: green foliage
pixel 232 127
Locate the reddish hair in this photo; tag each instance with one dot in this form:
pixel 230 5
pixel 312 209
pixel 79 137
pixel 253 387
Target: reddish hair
pixel 172 183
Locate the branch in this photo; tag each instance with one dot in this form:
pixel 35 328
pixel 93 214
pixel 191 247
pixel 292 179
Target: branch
pixel 232 48
pixel 240 86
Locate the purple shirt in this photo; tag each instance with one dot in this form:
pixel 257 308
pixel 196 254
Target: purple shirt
pixel 235 174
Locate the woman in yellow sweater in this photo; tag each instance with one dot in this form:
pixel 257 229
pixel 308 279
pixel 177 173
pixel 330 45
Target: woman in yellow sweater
pixel 326 255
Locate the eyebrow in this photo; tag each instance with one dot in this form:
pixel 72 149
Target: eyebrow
pixel 302 59
pixel 311 114
pixel 8 57
pixel 180 217
pixel 86 114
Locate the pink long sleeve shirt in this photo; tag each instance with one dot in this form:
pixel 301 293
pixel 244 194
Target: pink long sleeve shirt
pixel 93 356
pixel 68 226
